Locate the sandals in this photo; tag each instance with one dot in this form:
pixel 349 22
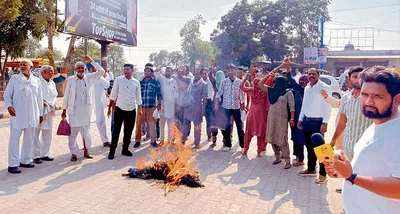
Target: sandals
pixel 214 140
pixel 287 166
pixel 87 156
pixel 258 154
pixel 244 153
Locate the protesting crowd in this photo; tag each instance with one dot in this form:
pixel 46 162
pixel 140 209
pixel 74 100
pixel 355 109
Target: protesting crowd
pixel 265 105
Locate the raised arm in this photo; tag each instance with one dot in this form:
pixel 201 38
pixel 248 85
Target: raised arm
pixel 92 77
pixel 293 82
pixel 244 86
pixel 262 83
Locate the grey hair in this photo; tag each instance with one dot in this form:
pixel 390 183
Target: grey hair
pixel 80 63
pixel 44 67
pixel 30 63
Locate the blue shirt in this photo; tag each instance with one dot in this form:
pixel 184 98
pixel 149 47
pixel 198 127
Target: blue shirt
pixel 151 92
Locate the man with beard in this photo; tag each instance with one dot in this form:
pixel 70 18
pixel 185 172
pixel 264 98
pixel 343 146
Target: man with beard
pixel 352 121
pixel 24 102
pixel 314 118
pixel 126 93
pixel 373 176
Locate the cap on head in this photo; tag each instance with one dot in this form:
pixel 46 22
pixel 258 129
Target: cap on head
pixel 29 62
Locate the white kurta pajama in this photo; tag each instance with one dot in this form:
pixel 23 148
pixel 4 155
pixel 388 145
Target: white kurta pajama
pixel 41 147
pixel 78 102
pixel 25 95
pixel 100 103
pixel 169 90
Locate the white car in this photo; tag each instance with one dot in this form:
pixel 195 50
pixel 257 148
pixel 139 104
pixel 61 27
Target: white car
pixel 334 84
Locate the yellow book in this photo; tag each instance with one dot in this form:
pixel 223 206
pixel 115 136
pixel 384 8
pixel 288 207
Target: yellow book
pixel 324 152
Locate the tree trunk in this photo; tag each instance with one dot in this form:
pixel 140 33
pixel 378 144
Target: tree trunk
pixel 50 27
pixel 67 65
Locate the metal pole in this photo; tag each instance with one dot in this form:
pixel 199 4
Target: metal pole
pixel 86 46
pixel 321 45
pixel 104 53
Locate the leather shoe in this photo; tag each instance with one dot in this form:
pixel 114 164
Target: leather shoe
pixel 37 161
pixel 110 156
pixel 47 158
pixel 154 144
pixel 74 158
pixel 14 170
pixel 26 165
pixel 137 145
pixel 127 153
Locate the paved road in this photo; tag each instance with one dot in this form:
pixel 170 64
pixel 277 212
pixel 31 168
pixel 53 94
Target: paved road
pixel 233 184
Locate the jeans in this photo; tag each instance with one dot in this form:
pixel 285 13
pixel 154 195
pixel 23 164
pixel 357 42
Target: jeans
pixel 239 125
pixel 298 143
pixel 310 127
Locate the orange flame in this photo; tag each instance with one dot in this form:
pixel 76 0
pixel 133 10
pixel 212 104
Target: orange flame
pixel 179 158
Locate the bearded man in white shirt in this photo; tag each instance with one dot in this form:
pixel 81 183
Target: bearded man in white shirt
pixel 170 94
pixel 78 102
pixel 100 104
pixel 24 102
pixel 44 132
pixel 373 176
pixel 314 118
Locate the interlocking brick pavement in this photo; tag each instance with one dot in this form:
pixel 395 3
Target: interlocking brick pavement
pixel 233 184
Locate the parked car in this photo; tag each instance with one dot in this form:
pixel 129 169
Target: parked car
pixel 334 84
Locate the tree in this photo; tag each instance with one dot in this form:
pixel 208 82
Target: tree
pixel 165 58
pixel 32 48
pixel 116 59
pixel 10 10
pixel 14 31
pixel 44 54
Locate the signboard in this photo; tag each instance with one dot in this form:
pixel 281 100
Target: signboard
pixel 311 56
pixel 109 20
pixel 322 54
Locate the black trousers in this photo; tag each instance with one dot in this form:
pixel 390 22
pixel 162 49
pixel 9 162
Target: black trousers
pixel 128 118
pixel 239 125
pixel 310 127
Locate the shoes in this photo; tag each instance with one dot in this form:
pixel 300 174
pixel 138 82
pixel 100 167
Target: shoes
pixel 154 144
pixel 14 170
pixel 226 149
pixel 287 166
pixel 47 158
pixel 298 163
pixel 277 162
pixel 127 153
pixel 37 161
pixel 26 165
pixel 137 145
pixel 107 144
pixel 321 179
pixel 110 156
pixel 307 173
pixel 88 156
pixel 74 158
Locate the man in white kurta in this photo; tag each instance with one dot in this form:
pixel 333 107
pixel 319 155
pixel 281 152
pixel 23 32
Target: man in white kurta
pixel 43 133
pixel 100 103
pixel 169 90
pixel 24 102
pixel 78 102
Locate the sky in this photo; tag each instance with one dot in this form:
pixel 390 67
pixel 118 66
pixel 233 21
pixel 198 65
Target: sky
pixel 159 22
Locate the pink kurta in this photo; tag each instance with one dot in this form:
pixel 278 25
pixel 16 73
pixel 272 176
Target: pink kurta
pixel 256 122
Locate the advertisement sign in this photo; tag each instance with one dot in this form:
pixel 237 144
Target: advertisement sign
pixel 311 56
pixel 322 54
pixel 109 20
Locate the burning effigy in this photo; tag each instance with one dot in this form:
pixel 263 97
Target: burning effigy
pixel 172 164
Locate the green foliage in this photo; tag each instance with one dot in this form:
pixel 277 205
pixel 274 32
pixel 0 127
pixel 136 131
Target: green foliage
pixel 192 46
pixel 268 29
pixel 165 58
pixel 116 59
pixel 44 54
pixel 10 10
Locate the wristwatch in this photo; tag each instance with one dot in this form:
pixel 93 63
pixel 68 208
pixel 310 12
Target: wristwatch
pixel 351 179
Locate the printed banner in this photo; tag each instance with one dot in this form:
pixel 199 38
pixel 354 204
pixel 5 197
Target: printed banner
pixel 110 20
pixel 311 55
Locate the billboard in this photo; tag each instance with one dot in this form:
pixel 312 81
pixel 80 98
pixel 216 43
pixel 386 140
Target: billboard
pixel 322 55
pixel 311 56
pixel 110 20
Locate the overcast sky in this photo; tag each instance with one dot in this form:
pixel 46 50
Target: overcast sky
pixel 159 22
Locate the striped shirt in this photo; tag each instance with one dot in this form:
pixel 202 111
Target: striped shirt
pixel 356 124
